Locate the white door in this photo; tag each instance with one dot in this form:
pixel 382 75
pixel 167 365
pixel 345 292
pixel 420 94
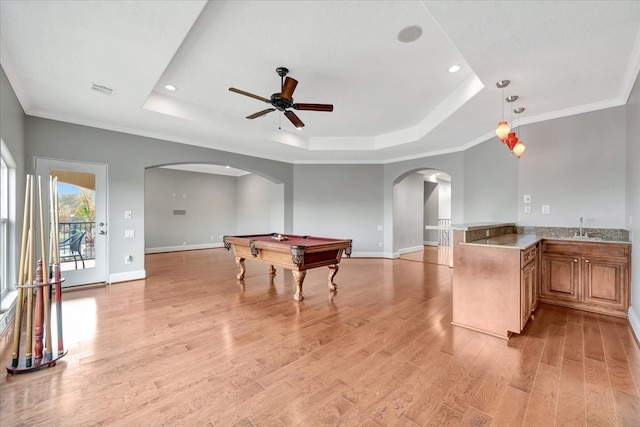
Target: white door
pixel 82 212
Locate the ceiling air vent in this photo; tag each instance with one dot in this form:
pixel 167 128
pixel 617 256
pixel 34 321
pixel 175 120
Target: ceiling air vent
pixel 103 90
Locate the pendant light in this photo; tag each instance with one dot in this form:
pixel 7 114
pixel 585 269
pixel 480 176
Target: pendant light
pixel 519 147
pixel 503 127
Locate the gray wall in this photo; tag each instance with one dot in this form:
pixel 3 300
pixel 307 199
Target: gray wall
pixel 341 201
pixel 632 216
pixel 431 210
pixel 585 165
pixel 490 183
pixel 127 157
pixel 12 134
pixel 409 212
pixel 576 165
pixel 210 202
pixel 260 206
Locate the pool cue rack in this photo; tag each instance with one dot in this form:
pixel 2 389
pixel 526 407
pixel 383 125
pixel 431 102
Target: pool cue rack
pixel 35 295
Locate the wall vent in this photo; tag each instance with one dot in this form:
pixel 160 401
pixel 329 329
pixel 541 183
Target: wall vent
pixel 101 89
pixel 179 212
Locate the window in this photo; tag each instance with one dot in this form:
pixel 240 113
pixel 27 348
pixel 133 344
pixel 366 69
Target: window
pixel 4 224
pixel 7 224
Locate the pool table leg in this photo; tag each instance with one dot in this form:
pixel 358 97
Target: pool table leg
pixel 333 270
pixel 298 277
pixel 272 270
pixel 240 264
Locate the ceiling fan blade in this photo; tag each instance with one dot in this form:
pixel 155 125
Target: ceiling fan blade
pixel 313 107
pixel 261 113
pixel 241 92
pixel 288 87
pixel 294 119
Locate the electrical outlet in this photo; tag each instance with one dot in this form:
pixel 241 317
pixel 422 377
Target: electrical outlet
pixel 527 209
pixel 546 210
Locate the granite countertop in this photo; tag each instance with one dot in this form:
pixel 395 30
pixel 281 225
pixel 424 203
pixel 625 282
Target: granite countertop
pixel 523 241
pixel 481 226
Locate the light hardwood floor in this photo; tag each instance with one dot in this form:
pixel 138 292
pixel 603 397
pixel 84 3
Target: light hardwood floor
pixel 191 346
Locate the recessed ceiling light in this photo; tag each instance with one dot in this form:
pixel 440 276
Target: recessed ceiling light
pixel 454 68
pixel 410 34
pixel 170 87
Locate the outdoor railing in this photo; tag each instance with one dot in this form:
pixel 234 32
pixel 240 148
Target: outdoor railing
pixel 68 229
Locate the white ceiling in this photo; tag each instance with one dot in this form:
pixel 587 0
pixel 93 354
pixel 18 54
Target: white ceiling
pixel 392 100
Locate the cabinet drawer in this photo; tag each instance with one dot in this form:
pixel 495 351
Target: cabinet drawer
pixel 528 255
pixel 606 250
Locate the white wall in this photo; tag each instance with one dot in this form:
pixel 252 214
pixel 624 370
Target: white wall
pixel 444 199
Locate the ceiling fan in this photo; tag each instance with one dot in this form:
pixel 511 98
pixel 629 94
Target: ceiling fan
pixel 283 100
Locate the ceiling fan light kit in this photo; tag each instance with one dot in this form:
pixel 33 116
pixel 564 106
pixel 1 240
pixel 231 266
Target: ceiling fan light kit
pixel 283 100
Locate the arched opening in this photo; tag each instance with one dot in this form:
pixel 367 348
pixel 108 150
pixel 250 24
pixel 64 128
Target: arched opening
pixel 193 206
pixel 422 216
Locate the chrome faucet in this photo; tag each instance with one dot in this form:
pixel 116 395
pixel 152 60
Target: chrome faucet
pixel 581 226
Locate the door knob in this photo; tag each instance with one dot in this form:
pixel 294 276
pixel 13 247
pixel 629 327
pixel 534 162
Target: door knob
pixel 101 224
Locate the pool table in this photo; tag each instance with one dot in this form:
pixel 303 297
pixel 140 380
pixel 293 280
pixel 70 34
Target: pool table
pixel 295 253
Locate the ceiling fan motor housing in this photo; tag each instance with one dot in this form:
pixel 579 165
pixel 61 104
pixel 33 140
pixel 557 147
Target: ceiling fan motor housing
pixel 281 103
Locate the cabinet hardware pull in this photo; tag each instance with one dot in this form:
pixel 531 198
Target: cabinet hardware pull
pixel 586 260
pixel 575 260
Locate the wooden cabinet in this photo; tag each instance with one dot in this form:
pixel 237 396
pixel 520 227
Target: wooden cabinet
pixel 528 284
pixel 494 287
pixel 587 276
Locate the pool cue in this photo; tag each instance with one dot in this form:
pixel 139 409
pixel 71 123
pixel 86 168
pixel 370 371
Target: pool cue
pixel 18 319
pixel 45 280
pixel 31 250
pixel 56 267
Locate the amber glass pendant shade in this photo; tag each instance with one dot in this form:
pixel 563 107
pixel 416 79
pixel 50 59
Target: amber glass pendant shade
pixel 502 131
pixel 518 149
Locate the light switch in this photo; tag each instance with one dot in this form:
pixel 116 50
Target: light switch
pixel 127 214
pixel 379 228
pixel 129 234
pixel 545 209
pixel 527 198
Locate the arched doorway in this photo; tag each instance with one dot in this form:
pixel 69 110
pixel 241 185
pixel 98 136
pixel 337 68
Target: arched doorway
pixel 422 216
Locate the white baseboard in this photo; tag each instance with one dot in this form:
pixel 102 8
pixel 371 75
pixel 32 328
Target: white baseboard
pixel 127 276
pixel 182 248
pixel 634 321
pixel 429 243
pixel 410 250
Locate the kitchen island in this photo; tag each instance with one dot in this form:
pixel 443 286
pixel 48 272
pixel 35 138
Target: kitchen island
pixel 500 275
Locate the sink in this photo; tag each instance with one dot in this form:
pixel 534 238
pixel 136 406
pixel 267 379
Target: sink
pixel 585 238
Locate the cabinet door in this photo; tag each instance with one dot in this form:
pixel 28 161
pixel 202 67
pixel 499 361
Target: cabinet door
pixel 527 290
pixel 604 281
pixel 560 277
